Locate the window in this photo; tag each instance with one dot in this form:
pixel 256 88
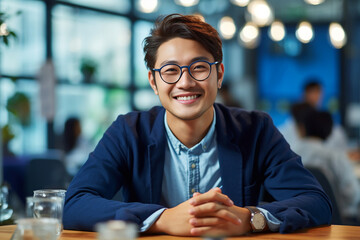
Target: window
pixel 141 30
pixel 95 106
pixel 86 42
pixel 28 138
pixel 122 6
pixel 24 55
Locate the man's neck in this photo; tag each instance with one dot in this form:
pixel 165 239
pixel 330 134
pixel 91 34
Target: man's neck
pixel 190 132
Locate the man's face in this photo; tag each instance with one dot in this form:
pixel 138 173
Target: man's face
pixel 314 96
pixel 187 99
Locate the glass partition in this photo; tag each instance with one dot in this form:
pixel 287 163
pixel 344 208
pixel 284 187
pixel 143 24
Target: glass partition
pixel 141 30
pixel 25 54
pixel 95 106
pixel 23 126
pixel 91 47
pixel 122 6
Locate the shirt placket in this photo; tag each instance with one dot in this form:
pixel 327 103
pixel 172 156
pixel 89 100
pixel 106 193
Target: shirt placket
pixel 194 175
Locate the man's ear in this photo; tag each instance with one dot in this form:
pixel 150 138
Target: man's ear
pixel 220 75
pixel 152 82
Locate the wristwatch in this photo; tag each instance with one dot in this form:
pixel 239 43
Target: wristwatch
pixel 257 220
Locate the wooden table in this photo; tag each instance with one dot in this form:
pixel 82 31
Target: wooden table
pixel 335 232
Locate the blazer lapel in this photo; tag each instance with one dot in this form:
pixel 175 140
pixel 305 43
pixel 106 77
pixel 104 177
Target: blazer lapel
pixel 230 160
pixel 156 158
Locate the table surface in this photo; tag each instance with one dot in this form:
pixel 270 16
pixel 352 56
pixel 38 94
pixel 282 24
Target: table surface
pixel 337 232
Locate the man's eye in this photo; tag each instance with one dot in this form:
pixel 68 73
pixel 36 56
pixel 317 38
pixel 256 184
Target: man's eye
pixel 170 70
pixel 200 67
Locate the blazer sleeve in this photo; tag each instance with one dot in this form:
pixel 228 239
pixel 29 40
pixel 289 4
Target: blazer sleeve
pixel 108 168
pixel 300 201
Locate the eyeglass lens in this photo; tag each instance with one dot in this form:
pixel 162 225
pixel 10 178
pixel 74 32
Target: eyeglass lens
pixel 198 70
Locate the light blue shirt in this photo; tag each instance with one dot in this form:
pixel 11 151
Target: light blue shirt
pixel 189 170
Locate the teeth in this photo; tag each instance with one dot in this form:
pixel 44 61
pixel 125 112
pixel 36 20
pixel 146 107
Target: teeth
pixel 186 98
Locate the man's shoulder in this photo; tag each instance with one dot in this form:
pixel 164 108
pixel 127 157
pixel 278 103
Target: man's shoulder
pixel 138 122
pixel 146 117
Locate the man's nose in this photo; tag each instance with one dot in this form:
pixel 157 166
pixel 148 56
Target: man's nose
pixel 186 79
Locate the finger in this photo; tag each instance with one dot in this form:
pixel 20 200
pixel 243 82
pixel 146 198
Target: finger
pixel 217 189
pixel 211 196
pixel 207 231
pixel 199 231
pixel 214 210
pixel 196 194
pixel 229 216
pixel 203 222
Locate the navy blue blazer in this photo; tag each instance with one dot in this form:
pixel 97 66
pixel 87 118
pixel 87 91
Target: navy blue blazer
pixel 251 150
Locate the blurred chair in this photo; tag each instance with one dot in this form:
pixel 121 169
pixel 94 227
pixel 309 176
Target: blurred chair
pixel 45 173
pixel 324 182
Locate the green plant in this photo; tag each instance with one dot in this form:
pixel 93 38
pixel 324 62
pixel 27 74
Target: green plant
pixel 5 33
pixel 88 68
pixel 18 105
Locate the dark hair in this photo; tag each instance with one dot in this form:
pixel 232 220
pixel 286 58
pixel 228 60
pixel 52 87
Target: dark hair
pixel 300 111
pixel 312 83
pixel 183 26
pixel 318 124
pixel 71 133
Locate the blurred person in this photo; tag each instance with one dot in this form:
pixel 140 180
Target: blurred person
pixel 313 95
pixel 76 147
pixel 290 129
pixel 315 127
pixel 193 167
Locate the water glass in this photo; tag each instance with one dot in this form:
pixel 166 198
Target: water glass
pixel 37 207
pixel 46 193
pixel 36 228
pixel 50 193
pixel 116 230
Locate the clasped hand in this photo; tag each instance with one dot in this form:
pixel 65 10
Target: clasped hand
pixel 211 213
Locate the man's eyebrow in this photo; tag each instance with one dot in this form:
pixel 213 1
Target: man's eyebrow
pixel 200 58
pixel 168 62
pixel 192 60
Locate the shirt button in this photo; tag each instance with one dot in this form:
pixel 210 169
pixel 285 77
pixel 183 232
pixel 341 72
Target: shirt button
pixel 193 190
pixel 193 165
pixel 205 147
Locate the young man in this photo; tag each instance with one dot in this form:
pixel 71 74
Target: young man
pixel 193 167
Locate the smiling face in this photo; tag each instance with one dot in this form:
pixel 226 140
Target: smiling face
pixel 187 99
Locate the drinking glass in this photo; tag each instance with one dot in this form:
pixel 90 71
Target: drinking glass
pixel 46 193
pixel 50 193
pixel 116 230
pixel 36 228
pixel 38 207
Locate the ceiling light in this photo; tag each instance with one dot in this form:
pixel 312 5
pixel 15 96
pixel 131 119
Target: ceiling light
pixel 240 3
pixel 147 6
pixel 304 32
pixel 227 27
pixel 337 35
pixel 314 2
pixel 261 13
pixel 277 31
pixel 249 35
pixel 187 3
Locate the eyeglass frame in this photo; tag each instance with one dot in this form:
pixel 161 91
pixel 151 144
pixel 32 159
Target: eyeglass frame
pixel 188 68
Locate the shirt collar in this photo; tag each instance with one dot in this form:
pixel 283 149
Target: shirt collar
pixel 202 146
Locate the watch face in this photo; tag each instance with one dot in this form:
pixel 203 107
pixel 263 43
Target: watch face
pixel 259 221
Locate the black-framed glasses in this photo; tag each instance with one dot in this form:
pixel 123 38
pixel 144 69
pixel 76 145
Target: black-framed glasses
pixel 198 70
